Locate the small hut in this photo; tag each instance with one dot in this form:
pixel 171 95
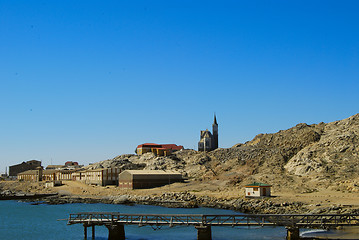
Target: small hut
pixel 257 189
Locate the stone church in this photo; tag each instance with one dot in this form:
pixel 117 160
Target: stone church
pixel 209 141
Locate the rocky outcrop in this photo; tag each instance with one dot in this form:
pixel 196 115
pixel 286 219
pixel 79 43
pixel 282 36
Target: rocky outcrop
pixel 324 152
pixel 334 155
pixel 126 161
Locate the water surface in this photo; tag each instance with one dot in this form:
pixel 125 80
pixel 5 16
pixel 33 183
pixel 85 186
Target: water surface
pixel 21 220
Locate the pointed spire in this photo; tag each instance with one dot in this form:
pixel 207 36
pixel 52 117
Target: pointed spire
pixel 215 119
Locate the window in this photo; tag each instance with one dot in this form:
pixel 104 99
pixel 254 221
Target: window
pixel 255 189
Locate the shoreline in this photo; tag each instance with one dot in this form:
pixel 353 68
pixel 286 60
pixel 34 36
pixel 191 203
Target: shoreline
pixel 188 200
pixel 181 196
pixel 20 196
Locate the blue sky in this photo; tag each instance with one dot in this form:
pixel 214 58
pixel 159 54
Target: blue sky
pixel 89 80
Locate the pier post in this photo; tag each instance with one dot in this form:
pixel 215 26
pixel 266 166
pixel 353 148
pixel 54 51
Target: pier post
pixel 93 232
pixel 116 232
pixel 292 233
pixel 85 231
pixel 204 232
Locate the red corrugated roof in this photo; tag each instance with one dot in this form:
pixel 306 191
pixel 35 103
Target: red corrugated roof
pixel 172 146
pixel 164 146
pixel 149 145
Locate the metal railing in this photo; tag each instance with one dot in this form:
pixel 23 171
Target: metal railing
pixel 288 220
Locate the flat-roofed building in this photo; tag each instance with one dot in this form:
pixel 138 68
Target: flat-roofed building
pixel 136 179
pixel 65 175
pixel 46 175
pixel 101 176
pixel 29 175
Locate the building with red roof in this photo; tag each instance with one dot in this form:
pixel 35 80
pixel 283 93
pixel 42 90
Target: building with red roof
pixel 157 149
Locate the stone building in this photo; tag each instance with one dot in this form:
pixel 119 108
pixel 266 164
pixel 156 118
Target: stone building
pixel 139 179
pixel 209 141
pixel 24 166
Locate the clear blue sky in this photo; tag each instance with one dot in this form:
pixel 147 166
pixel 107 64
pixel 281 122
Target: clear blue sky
pixel 89 80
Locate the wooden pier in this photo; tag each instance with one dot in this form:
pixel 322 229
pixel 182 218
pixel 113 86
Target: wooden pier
pixel 115 222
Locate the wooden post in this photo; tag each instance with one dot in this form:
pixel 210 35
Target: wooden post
pixel 116 232
pixel 204 233
pixel 93 232
pixel 85 232
pixel 293 233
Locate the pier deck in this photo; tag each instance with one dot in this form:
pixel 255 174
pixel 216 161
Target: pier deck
pixel 204 222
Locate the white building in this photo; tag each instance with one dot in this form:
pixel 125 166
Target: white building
pixel 258 190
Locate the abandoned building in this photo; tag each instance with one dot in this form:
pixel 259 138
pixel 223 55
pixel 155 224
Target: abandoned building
pixel 31 175
pixel 137 179
pixel 24 166
pixel 100 176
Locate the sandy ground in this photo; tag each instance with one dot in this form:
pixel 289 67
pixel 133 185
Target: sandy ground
pixel 322 198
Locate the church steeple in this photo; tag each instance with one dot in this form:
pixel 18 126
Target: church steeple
pixel 215 132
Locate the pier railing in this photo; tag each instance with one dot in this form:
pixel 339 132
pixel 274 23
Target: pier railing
pixel 115 222
pixel 288 220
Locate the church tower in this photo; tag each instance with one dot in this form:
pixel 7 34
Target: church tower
pixel 215 133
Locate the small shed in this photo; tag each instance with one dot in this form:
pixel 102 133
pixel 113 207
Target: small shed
pixel 136 179
pixel 257 189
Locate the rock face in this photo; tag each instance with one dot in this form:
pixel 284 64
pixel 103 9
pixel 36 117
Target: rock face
pixel 334 154
pixel 320 154
pixel 125 161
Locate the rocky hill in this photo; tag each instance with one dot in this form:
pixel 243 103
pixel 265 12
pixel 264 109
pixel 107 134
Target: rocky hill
pixel 305 158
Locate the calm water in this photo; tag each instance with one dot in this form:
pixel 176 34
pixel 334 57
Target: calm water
pixel 25 221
